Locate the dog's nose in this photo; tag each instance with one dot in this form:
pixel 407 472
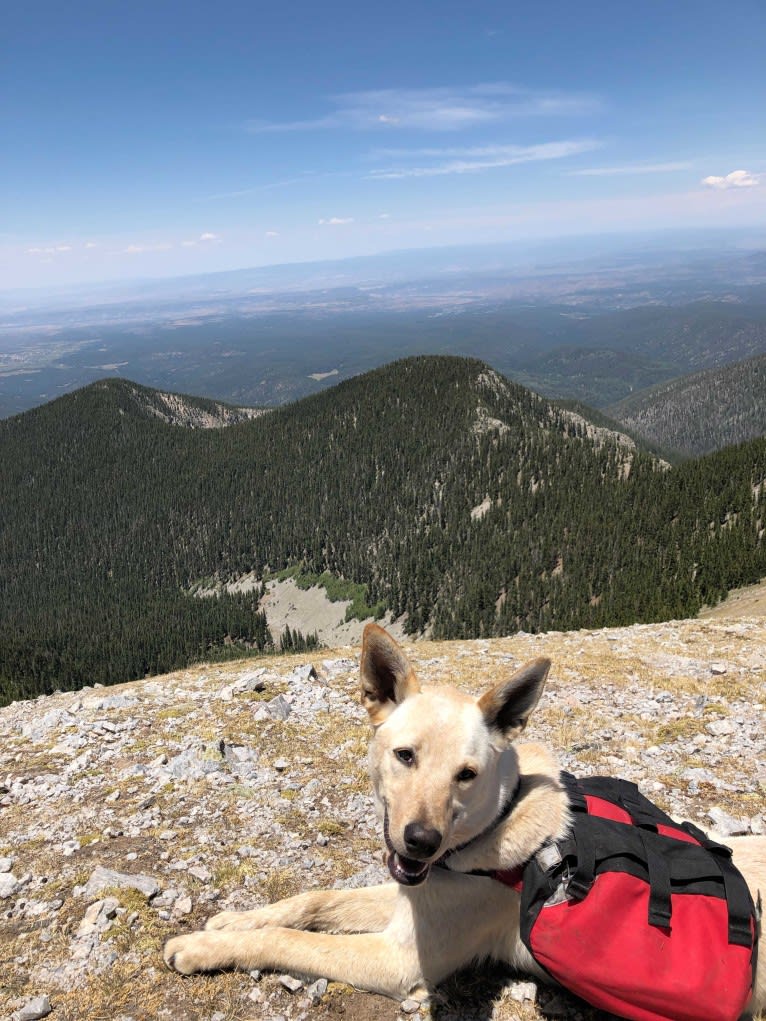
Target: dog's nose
pixel 421 841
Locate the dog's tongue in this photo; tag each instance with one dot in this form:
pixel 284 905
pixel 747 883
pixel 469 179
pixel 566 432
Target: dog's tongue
pixel 407 871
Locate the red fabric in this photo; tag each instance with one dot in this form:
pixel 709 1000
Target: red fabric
pixel 606 810
pixel 602 949
pixel 510 877
pixel 677 834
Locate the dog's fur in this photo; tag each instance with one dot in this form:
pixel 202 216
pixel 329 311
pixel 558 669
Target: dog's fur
pixel 443 768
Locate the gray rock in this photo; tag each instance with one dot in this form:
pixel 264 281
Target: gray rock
pixel 718 669
pixel 316 990
pixel 253 681
pixel 6 864
pixel 39 1006
pixel 521 991
pixel 200 872
pixel 291 983
pixel 409 1006
pixel 103 879
pixel 720 728
pixel 278 708
pixel 9 885
pixel 726 824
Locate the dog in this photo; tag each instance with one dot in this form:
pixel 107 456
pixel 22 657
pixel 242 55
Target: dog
pixel 455 796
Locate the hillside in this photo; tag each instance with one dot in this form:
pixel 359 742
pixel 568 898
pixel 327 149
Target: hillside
pixel 449 496
pixel 702 412
pixel 602 357
pixel 182 409
pixel 202 797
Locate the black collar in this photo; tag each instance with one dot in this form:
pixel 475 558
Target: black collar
pixel 502 815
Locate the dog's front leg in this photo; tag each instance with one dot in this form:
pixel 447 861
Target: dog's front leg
pixel 365 910
pixel 371 961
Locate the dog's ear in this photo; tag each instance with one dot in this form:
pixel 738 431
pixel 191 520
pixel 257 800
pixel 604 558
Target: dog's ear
pixel 386 675
pixel 508 705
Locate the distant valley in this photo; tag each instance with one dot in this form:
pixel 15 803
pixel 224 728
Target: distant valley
pixel 567 321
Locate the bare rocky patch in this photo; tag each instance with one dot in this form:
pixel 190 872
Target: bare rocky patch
pixel 230 785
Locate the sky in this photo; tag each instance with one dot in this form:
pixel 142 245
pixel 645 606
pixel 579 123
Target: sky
pixel 167 138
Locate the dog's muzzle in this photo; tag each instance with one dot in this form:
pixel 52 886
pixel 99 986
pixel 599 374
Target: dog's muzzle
pixel 407 871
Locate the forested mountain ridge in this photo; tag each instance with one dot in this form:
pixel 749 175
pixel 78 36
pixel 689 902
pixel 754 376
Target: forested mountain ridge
pixel 176 409
pixel 460 499
pixel 702 412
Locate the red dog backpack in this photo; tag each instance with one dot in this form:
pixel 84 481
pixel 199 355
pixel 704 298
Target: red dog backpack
pixel 640 915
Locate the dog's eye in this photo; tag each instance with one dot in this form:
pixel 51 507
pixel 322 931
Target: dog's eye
pixel 466 774
pixel 405 755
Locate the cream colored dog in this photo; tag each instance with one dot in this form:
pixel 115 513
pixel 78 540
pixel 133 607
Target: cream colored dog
pixel 452 789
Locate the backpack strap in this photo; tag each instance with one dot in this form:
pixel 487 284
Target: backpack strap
pixel 737 893
pixel 660 904
pixel 584 875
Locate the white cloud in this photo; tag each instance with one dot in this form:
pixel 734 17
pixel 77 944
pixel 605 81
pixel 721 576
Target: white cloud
pixel 384 216
pixel 335 221
pixel 631 168
pixel 207 236
pixel 49 250
pixel 736 179
pixel 91 244
pixel 438 109
pixel 271 234
pixel 134 249
pixel 476 159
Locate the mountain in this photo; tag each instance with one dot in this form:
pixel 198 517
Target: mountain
pixel 701 412
pixel 449 494
pixel 184 410
pixel 604 357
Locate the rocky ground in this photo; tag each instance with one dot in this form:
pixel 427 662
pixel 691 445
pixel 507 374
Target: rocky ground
pixel 132 813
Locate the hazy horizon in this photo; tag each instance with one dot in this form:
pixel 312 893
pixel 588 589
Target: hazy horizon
pixel 150 141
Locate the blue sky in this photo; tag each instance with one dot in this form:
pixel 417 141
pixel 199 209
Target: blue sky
pixel 155 139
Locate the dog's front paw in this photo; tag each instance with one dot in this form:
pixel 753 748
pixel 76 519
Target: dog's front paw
pixel 229 920
pixel 196 951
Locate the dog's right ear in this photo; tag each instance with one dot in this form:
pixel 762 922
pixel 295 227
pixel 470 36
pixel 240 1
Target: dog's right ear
pixel 387 677
pixel 508 705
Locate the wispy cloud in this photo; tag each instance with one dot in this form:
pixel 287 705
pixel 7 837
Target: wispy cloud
pixel 630 169
pixel 134 249
pixel 476 159
pixel 335 221
pixel 204 239
pixel 49 250
pixel 736 179
pixel 438 109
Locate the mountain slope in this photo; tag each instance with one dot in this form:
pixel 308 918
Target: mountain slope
pixel 699 413
pixel 458 498
pixel 604 357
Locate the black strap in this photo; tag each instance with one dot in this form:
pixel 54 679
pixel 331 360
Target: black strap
pixel 503 814
pixel 739 903
pixel 582 880
pixel 660 904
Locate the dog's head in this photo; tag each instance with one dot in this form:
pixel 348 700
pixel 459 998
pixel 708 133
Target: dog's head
pixel 441 762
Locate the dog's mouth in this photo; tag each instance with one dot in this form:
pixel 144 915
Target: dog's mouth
pixel 407 871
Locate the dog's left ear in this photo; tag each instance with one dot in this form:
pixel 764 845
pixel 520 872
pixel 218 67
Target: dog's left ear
pixel 386 674
pixel 508 705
